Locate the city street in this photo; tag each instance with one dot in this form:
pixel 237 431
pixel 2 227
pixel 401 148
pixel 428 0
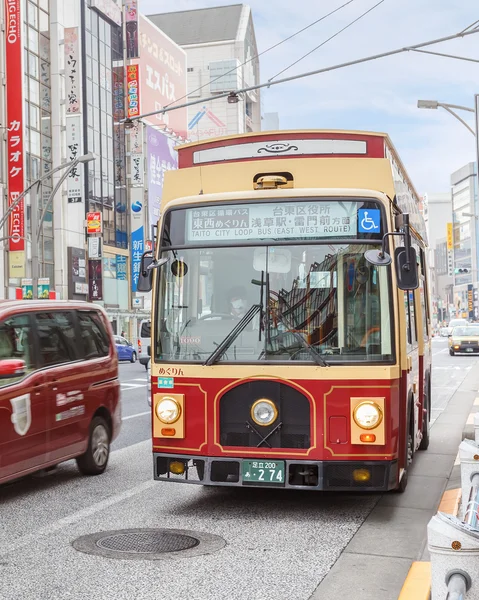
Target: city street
pixel 278 545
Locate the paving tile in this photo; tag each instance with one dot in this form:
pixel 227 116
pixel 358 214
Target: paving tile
pixel 421 492
pixel 430 464
pixel 392 531
pixel 368 578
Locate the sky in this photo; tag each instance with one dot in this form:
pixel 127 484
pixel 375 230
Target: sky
pixel 380 95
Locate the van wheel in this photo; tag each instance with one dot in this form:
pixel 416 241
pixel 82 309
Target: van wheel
pixel 95 459
pixel 133 357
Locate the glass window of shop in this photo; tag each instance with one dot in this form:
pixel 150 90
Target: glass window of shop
pixel 37 115
pixel 101 193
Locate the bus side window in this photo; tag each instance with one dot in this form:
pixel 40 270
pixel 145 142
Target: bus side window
pixel 408 320
pixel 412 312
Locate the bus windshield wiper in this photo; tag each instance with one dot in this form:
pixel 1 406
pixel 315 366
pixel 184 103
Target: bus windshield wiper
pixel 232 335
pixel 310 349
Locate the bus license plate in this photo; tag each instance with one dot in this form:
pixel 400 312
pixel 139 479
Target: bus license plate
pixel 263 471
pixel 469 349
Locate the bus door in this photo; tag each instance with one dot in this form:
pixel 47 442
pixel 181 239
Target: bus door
pixel 412 351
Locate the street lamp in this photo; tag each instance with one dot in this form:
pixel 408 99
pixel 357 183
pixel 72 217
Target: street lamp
pixel 38 223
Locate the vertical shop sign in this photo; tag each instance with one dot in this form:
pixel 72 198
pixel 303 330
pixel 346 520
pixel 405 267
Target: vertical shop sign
pixel 137 234
pixel 118 74
pixel 95 282
pixel 72 72
pixel 15 175
pixel 137 169
pixel 133 91
pixel 162 157
pixel 131 25
pixel 121 267
pixel 136 154
pixel 74 150
pixel 470 300
pixel 119 152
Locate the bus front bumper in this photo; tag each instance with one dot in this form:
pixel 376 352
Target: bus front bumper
pixel 335 476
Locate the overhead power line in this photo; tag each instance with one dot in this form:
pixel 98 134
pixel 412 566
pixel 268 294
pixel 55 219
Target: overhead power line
pixel 264 52
pixel 328 40
pixel 350 63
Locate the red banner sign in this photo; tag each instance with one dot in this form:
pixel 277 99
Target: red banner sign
pixel 133 91
pixel 93 222
pixel 14 79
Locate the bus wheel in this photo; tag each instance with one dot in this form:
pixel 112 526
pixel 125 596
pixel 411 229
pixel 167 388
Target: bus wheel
pixel 451 352
pixel 95 459
pixel 409 456
pixel 426 419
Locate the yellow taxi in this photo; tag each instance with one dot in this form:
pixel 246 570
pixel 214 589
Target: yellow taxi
pixel 464 339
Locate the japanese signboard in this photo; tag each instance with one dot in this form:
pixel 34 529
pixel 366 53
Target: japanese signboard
pixel 77 273
pixel 132 91
pixel 27 289
pixel 94 247
pixel 137 169
pixel 121 267
pixel 470 300
pixel 74 150
pixel 450 237
pixel 14 106
pixel 95 280
pixel 109 9
pixel 44 288
pixel 72 71
pixel 119 152
pixel 137 249
pixel 162 77
pixel 118 74
pixel 162 157
pixel 93 222
pixel 298 220
pixel 131 20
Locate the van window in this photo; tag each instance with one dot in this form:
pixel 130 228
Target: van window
pixel 16 342
pixel 145 329
pixel 95 340
pixel 56 337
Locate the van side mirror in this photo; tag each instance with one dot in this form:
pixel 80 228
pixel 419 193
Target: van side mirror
pixel 406 268
pixel 12 367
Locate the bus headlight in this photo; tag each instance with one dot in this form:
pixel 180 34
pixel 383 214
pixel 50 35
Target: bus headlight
pixel 264 412
pixel 168 410
pixel 368 415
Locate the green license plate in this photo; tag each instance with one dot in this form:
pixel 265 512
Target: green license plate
pixel 263 471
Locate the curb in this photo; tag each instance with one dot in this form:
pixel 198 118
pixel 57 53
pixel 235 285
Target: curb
pixel 417 585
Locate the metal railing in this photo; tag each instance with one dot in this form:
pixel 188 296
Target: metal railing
pixel 457 587
pixel 471 516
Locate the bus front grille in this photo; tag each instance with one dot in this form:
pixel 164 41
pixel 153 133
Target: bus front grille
pixel 291 428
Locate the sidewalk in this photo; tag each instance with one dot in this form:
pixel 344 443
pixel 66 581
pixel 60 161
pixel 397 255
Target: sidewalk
pixel 377 560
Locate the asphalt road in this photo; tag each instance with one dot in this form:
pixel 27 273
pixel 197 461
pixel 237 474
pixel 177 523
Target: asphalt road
pixel 279 546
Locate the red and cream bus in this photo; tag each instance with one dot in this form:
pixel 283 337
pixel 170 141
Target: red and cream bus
pixel 290 338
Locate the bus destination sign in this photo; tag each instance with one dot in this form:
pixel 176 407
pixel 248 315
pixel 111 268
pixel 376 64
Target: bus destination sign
pixel 294 220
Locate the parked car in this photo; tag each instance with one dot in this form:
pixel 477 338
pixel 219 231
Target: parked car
pixel 444 332
pixel 144 341
pixel 59 387
pixel 125 349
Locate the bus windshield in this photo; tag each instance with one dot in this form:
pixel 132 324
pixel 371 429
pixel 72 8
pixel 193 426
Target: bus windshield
pixel 308 300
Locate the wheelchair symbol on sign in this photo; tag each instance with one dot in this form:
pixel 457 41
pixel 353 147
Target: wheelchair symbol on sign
pixel 367 223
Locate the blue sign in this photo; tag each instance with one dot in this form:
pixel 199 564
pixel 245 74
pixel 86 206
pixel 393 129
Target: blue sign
pixel 369 220
pixel 137 249
pixel 121 267
pixel 166 382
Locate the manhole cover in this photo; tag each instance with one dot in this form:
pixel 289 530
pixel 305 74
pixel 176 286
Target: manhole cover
pixel 149 544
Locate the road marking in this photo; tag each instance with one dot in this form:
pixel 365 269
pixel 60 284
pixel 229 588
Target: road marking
pixel 33 538
pixel 143 380
pixel 142 414
pixel 439 352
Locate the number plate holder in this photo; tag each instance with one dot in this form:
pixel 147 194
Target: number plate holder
pixel 263 472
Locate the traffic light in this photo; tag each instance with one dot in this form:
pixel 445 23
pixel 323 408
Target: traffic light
pixel 461 270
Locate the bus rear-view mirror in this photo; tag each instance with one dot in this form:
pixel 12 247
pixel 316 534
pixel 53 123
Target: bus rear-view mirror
pixel 145 277
pixel 12 367
pixel 406 270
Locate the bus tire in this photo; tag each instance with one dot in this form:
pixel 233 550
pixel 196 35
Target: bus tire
pixel 451 352
pixel 95 459
pixel 401 488
pixel 427 417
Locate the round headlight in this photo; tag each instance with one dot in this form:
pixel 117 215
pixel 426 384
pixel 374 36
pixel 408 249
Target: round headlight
pixel 367 415
pixel 264 412
pixel 168 410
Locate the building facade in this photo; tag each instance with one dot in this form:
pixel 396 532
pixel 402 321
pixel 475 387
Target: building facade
pixel 222 54
pixel 465 236
pixel 68 87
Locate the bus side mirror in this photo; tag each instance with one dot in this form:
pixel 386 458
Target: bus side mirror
pixel 145 277
pixel 406 271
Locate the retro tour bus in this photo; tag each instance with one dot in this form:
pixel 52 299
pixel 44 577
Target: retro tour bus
pixel 290 338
